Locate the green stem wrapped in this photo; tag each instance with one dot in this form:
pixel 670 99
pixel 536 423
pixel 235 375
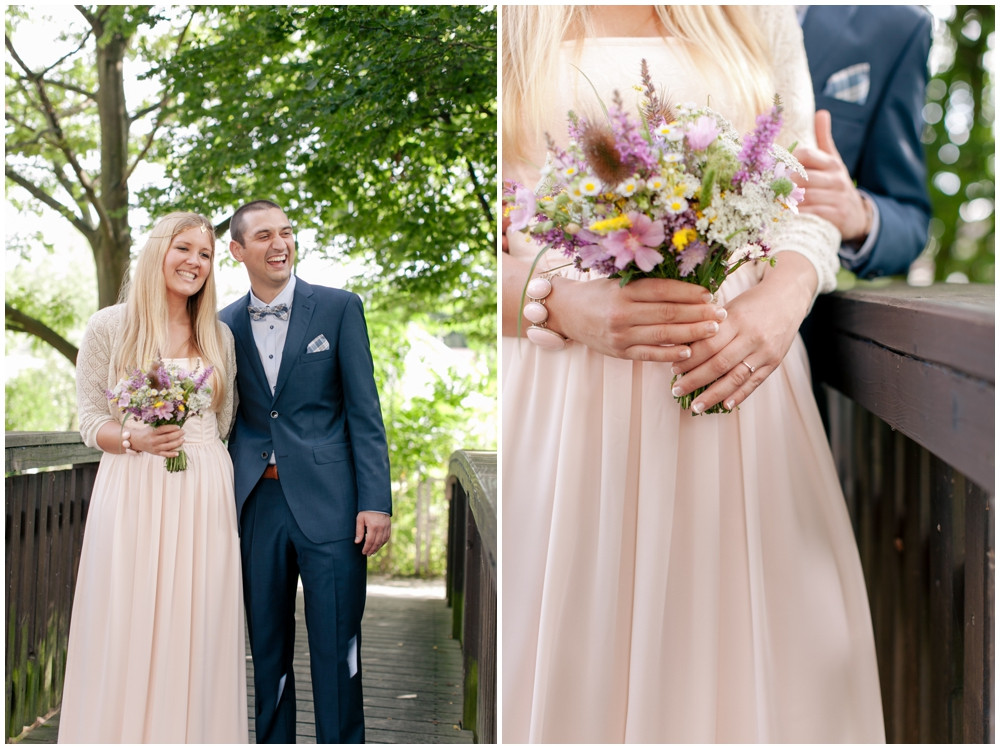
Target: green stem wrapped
pixel 177 463
pixel 685 401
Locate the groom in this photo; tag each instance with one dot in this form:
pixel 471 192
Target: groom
pixel 312 477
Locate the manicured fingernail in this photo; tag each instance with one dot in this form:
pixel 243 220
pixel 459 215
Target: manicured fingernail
pixel 698 408
pixel 675 371
pixel 706 297
pixel 730 404
pixel 721 314
pixel 677 391
pixel 712 327
pixel 684 354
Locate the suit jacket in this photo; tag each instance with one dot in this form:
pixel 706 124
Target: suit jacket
pixel 879 139
pixel 324 421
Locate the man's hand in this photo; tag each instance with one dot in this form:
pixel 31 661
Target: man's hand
pixel 373 528
pixel 830 191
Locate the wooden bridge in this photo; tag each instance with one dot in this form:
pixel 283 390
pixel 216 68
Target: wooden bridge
pixel 429 673
pixel 412 674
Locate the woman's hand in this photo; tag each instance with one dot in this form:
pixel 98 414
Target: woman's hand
pixel 649 320
pixel 762 324
pixel 165 441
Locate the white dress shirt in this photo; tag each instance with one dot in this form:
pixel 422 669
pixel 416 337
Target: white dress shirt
pixel 269 332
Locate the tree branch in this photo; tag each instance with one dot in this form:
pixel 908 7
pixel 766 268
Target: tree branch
pixel 163 115
pixel 39 194
pixel 484 203
pixel 19 322
pixel 49 112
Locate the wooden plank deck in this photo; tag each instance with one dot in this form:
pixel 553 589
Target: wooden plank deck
pixel 412 670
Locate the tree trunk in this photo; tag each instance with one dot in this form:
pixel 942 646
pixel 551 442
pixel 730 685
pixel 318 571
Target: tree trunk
pixel 114 240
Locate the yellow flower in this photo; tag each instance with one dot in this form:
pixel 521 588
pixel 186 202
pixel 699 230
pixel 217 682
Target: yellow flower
pixel 683 237
pixel 611 224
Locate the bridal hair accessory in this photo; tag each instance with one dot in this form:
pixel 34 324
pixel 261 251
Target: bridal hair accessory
pixel 750 367
pixel 539 333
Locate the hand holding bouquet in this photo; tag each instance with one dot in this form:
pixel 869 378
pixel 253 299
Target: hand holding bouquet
pixel 674 195
pixel 166 394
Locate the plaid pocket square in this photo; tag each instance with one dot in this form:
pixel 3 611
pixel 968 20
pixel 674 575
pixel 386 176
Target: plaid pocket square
pixel 317 344
pixel 850 84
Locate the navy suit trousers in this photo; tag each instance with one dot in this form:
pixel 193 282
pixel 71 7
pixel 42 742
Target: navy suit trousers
pixel 275 554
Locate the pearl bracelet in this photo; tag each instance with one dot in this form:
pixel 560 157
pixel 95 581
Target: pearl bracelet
pixel 539 333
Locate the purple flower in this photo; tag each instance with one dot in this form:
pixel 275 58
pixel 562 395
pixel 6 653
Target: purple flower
pixel 636 243
pixel 523 210
pixel 695 253
pixel 702 133
pixel 591 255
pixel 755 156
pixel 202 378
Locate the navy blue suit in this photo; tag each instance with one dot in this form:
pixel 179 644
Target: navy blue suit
pixel 324 425
pixel 879 139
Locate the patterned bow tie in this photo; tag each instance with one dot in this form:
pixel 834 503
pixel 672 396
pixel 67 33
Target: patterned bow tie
pixel 259 313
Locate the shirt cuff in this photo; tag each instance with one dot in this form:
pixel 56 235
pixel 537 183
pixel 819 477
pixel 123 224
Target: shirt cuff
pixel 852 255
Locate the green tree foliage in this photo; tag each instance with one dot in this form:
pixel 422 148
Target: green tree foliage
pixel 375 126
pixel 72 141
pixel 454 408
pixel 960 146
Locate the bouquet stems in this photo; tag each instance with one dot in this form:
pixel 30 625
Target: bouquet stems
pixel 686 400
pixel 177 463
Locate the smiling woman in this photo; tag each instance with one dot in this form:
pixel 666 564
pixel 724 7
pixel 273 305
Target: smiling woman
pixel 156 645
pixel 186 266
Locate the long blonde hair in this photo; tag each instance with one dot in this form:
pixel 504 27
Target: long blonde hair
pixel 714 35
pixel 145 335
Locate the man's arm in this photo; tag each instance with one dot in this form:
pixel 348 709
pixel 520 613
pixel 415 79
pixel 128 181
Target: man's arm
pixel 364 414
pixel 893 171
pixel 884 219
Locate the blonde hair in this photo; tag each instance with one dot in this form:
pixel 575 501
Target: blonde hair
pixel 531 37
pixel 145 335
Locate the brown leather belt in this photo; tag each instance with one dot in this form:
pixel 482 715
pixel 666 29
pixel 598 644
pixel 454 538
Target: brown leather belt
pixel 271 472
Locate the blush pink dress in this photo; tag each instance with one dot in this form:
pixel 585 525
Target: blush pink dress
pixel 669 578
pixel 156 646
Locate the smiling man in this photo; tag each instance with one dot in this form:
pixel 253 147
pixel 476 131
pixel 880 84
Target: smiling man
pixel 312 477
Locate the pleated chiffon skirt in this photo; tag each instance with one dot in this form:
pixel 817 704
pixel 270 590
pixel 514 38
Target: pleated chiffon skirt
pixel 156 646
pixel 670 578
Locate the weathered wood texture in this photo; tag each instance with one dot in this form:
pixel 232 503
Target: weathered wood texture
pixel 472 582
pixel 45 514
pixel 24 451
pixel 922 360
pixel 912 428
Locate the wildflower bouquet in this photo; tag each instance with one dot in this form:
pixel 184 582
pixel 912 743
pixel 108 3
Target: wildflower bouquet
pixel 674 195
pixel 166 394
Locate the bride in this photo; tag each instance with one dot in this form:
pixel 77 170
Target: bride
pixel 156 644
pixel 670 578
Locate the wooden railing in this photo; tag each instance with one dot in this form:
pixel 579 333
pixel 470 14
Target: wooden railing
pixel 472 583
pixel 45 514
pixel 909 392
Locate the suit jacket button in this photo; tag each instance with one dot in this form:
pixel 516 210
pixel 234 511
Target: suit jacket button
pixel 274 414
pixel 264 456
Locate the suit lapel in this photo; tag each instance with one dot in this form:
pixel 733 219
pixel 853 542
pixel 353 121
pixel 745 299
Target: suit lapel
pixel 295 339
pixel 243 335
pixel 820 22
